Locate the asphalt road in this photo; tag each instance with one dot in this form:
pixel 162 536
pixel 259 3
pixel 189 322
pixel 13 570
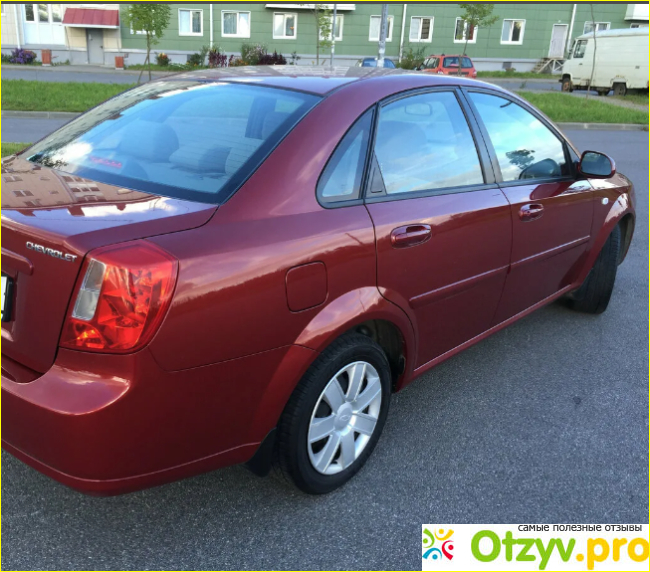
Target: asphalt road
pixel 60 75
pixel 28 130
pixel 547 421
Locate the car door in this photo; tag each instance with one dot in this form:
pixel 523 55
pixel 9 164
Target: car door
pixel 552 211
pixel 442 225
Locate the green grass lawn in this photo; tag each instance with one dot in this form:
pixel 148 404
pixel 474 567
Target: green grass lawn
pixel 11 148
pixel 517 75
pixel 562 107
pixel 21 95
pixel 639 99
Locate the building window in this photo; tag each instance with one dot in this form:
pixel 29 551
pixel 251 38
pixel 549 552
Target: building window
pixel 375 28
pixel 235 24
pixel 421 29
pixel 513 32
pixel 29 13
pixel 338 35
pixel 638 25
pixel 600 27
pixel 190 22
pixel 463 30
pixel 285 26
pixel 57 13
pixel 43 13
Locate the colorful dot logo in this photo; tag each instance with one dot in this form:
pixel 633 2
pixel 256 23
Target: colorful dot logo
pixel 437 545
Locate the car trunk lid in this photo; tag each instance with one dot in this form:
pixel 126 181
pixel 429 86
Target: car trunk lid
pixel 50 221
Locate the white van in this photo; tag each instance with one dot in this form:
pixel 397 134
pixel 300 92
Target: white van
pixel 621 62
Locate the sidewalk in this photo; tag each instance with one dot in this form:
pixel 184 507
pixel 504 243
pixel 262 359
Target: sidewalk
pixel 90 74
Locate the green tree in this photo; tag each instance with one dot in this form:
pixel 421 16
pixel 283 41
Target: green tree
pixel 153 20
pixel 474 16
pixel 323 19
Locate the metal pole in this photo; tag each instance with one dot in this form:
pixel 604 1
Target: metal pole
pixel 333 37
pixel 17 27
pixel 383 32
pixel 573 19
pixel 212 27
pixel 401 39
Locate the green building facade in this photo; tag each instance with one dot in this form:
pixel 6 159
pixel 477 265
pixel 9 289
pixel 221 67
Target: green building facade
pixel 524 33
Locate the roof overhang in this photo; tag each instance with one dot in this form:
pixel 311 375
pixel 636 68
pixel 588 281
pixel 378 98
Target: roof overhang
pixel 339 7
pixel 91 18
pixel 637 12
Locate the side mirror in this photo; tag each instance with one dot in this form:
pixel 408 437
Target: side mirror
pixel 597 165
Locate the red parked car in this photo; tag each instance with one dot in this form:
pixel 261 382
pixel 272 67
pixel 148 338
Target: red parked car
pixel 448 65
pixel 243 266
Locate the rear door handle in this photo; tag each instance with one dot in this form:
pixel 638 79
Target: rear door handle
pixel 410 235
pixel 531 212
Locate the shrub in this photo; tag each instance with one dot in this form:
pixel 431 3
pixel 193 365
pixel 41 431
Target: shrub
pixel 252 54
pixel 218 60
pixel 162 60
pixel 195 60
pixel 25 57
pixel 273 59
pixel 412 59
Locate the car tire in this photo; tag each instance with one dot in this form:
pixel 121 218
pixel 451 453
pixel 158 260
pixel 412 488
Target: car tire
pixel 317 408
pixel 567 85
pixel 594 295
pixel 620 89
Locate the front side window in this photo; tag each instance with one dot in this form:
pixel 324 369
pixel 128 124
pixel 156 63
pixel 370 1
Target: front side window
pixel 513 31
pixel 525 147
pixel 285 26
pixel 190 22
pixel 342 178
pixel 580 49
pixel 464 32
pixel 182 139
pixel 375 28
pixel 424 143
pixel 421 29
pixel 598 26
pixel 236 24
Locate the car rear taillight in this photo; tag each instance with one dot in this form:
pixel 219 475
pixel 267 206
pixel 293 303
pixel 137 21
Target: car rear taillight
pixel 123 296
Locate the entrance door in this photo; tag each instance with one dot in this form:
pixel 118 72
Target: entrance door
pixel 95 40
pixel 443 230
pixel 558 41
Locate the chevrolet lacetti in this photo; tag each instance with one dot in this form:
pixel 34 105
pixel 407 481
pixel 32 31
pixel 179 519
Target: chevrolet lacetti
pixel 242 266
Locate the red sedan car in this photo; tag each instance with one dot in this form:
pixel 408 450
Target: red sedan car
pixel 243 266
pixel 448 65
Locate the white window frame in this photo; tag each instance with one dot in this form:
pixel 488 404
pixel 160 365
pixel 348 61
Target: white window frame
pixel 389 37
pixel 190 33
pixel 284 27
pixel 339 38
pixel 521 37
pixel 238 34
pixel 36 19
pixel 471 40
pixel 420 41
pixel 584 28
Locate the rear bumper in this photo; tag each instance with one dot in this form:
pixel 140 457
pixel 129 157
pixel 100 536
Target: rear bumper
pixel 113 424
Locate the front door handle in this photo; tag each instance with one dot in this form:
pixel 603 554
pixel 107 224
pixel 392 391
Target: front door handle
pixel 410 235
pixel 531 212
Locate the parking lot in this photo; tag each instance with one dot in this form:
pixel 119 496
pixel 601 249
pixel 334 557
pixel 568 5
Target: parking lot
pixel 547 421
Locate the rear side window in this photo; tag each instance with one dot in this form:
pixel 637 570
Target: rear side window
pixel 423 143
pixel 342 178
pixel 183 139
pixel 450 61
pixel 525 147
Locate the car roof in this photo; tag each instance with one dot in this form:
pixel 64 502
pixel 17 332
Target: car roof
pixel 614 33
pixel 315 80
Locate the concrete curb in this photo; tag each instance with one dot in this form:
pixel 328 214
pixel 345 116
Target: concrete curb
pixel 39 114
pixel 605 126
pixel 581 126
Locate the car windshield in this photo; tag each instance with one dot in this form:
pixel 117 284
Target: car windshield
pixel 184 139
pixel 452 61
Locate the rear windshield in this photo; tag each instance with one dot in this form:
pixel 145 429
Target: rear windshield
pixel 452 61
pixel 181 139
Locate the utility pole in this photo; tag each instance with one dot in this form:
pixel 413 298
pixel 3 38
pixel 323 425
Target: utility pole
pixel 383 32
pixel 333 37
